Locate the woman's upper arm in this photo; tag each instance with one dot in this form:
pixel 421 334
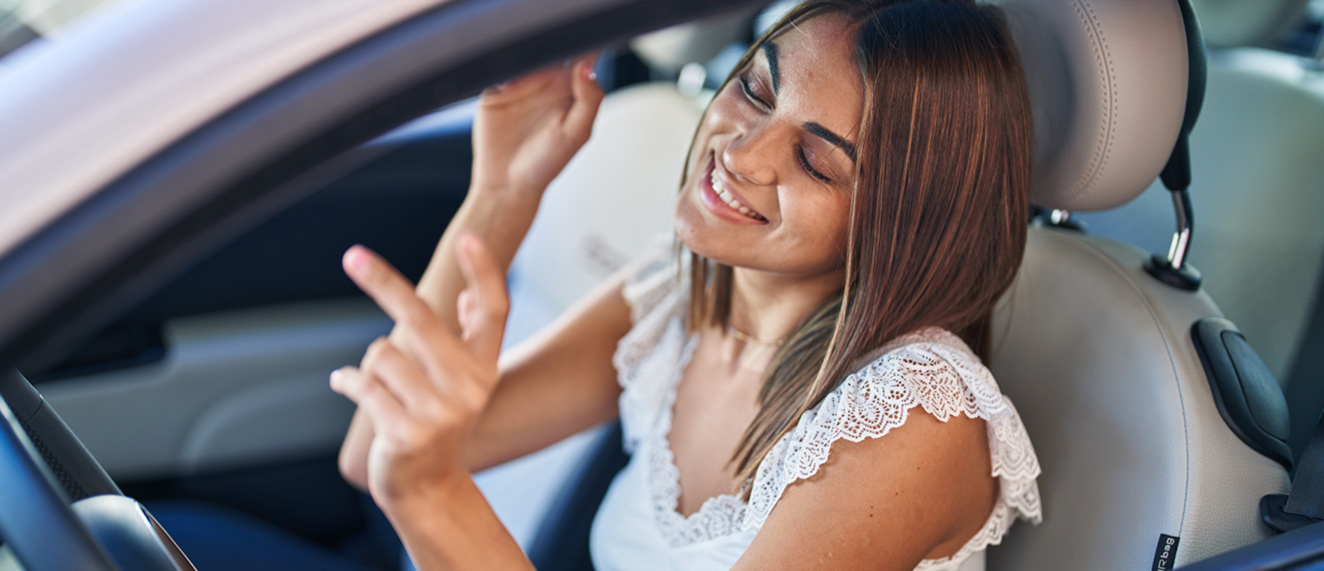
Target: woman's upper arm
pixel 921 490
pixel 558 382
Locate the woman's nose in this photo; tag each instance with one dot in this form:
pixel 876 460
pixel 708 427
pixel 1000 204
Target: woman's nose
pixel 751 156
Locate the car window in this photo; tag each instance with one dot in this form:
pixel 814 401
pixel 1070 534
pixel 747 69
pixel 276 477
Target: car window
pixel 22 21
pixel 1303 38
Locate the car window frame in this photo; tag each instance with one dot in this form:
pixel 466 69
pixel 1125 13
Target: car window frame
pixel 95 261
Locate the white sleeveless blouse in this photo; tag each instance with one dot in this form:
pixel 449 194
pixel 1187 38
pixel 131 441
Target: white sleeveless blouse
pixel 638 528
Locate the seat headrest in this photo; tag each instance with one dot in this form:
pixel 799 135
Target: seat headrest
pixel 1107 82
pixel 1237 23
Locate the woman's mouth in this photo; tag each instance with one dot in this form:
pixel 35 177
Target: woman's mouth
pixel 725 202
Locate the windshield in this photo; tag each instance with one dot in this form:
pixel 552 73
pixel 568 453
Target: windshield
pixel 22 21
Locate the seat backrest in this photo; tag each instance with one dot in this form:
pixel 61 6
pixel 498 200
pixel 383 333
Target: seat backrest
pixel 1098 355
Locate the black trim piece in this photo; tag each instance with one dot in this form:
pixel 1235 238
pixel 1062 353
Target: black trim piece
pixel 258 158
pixel 1187 278
pixel 1165 552
pixel 1246 393
pixel 1305 380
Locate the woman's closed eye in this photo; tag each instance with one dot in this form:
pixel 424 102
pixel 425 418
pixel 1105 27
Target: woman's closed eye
pixel 807 156
pixel 756 94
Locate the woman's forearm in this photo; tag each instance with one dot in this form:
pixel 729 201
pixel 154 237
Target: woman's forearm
pixel 456 529
pixel 501 218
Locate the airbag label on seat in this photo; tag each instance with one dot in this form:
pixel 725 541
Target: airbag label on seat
pixel 1166 552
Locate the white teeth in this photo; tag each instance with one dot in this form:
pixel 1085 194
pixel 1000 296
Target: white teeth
pixel 730 200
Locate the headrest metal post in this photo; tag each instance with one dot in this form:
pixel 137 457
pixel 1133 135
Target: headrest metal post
pixel 1056 218
pixel 1173 269
pixel 1176 176
pixel 1181 240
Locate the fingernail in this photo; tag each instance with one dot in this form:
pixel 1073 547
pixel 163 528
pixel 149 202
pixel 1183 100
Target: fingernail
pixel 356 259
pixel 335 378
pixel 587 68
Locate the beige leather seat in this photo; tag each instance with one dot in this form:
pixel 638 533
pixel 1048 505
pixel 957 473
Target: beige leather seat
pixel 1097 354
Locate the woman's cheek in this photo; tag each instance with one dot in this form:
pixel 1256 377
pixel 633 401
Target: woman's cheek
pixel 831 226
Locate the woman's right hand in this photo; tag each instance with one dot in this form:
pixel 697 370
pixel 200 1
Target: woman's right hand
pixel 527 129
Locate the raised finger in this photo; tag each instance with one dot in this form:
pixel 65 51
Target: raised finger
pixel 426 336
pixel 588 97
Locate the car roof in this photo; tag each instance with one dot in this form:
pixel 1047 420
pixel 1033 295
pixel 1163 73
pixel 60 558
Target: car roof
pixel 125 83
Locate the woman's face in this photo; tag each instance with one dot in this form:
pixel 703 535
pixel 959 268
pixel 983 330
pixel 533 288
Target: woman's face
pixel 768 184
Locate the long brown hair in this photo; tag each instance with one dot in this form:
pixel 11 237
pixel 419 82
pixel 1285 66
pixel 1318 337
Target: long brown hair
pixel 939 209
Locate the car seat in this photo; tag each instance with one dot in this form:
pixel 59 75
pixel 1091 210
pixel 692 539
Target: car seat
pixel 1259 192
pixel 1139 466
pixel 1103 360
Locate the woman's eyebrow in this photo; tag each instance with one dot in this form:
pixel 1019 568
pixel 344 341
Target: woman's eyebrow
pixel 833 138
pixel 770 52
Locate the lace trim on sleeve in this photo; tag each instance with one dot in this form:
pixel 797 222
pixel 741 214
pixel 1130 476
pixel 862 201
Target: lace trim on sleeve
pixel 646 357
pixel 932 369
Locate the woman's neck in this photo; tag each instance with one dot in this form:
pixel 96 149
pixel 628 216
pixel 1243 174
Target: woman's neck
pixel 767 307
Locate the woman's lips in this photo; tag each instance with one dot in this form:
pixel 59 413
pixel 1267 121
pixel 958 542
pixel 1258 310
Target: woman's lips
pixel 725 203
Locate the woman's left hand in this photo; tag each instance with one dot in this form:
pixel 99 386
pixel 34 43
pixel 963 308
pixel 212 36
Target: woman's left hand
pixel 423 398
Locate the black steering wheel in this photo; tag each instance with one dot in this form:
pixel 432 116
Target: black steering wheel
pixel 58 508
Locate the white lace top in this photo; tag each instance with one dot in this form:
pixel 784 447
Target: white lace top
pixel 638 526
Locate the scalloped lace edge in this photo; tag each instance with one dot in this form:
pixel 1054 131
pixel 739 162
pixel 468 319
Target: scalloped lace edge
pixel 943 378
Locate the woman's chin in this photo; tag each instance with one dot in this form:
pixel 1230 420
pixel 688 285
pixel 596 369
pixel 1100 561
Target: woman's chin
pixel 697 235
pixel 701 241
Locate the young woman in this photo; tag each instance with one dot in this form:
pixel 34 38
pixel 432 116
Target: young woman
pixel 799 380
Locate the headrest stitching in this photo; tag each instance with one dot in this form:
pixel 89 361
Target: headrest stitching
pixel 1103 151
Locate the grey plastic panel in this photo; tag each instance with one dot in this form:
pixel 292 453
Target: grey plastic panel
pixel 235 389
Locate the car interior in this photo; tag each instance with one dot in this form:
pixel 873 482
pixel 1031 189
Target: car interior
pixel 1169 381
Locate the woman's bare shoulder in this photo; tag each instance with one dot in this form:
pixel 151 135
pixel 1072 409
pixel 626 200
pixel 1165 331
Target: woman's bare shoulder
pixel 919 492
pixel 900 450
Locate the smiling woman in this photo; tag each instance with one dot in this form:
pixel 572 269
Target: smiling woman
pixel 853 204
